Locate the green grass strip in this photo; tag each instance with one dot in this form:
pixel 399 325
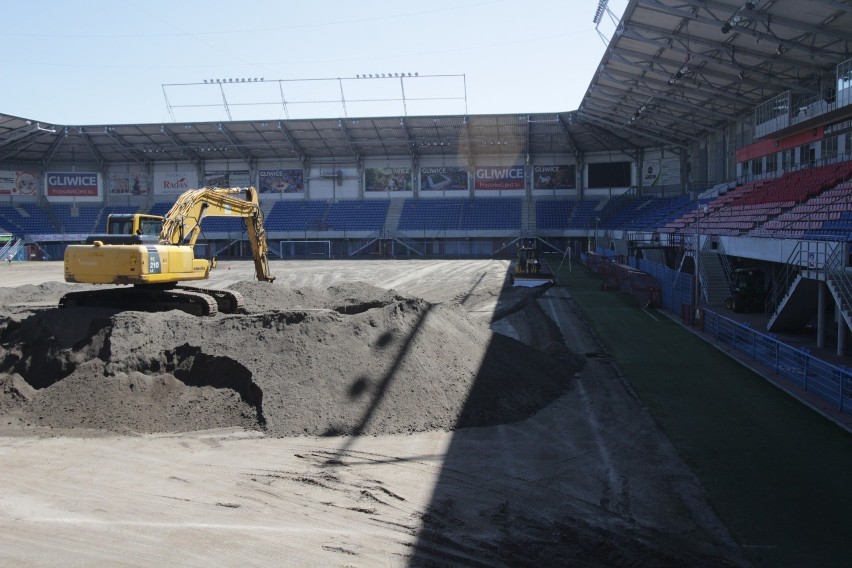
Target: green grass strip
pixel 778 474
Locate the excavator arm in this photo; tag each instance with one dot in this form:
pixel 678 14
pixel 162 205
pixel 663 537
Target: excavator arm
pixel 182 224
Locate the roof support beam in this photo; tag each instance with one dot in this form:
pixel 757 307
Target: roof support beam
pixel 572 144
pixel 665 130
pixel 183 148
pixel 411 144
pixel 282 128
pixel 757 78
pixel 755 15
pixel 592 117
pixel 842 6
pixel 752 15
pixel 128 148
pixel 20 135
pixel 246 156
pixel 99 158
pixel 659 86
pixel 662 41
pixel 701 109
pixel 20 147
pixel 57 142
pixel 355 153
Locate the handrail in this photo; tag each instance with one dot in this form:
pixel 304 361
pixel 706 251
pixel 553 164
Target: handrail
pixel 835 271
pixel 806 255
pixel 726 266
pixel 11 248
pixel 371 238
pixel 702 270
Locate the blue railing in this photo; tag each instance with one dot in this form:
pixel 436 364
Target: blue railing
pixel 675 286
pixel 830 383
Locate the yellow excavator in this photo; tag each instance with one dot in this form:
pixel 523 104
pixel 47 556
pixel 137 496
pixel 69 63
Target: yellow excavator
pixel 154 254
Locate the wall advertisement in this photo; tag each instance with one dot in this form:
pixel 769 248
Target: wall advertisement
pixel 225 179
pixel 499 177
pixel 650 173
pixel 387 179
pixel 72 186
pixel 128 184
pixel 281 181
pixel 174 183
pixel 445 178
pixel 554 177
pixel 18 182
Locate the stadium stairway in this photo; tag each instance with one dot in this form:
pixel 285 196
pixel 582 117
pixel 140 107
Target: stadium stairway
pixel 393 215
pixel 716 286
pixel 797 307
pixel 528 216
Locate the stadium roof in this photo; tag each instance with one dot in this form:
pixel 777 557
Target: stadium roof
pixel 670 74
pixel 678 69
pixel 513 136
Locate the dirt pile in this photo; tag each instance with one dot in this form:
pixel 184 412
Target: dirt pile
pixel 351 359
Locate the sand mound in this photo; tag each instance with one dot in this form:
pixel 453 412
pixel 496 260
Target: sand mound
pixel 351 359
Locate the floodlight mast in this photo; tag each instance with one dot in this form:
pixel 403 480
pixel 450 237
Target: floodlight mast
pixel 599 12
pixel 603 8
pixel 341 98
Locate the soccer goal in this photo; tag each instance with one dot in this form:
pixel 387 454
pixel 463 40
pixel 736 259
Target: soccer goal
pixel 305 249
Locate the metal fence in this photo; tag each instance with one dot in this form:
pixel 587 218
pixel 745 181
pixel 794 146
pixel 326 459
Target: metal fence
pixel 830 383
pixel 675 286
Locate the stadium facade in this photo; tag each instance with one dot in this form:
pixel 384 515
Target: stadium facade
pixel 713 136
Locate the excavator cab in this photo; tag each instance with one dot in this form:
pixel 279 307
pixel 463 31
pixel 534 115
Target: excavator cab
pixel 134 224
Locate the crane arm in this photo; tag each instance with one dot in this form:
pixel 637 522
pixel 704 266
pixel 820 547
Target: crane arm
pixel 182 224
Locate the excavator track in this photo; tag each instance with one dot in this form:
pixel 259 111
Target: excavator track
pixel 191 301
pixel 227 301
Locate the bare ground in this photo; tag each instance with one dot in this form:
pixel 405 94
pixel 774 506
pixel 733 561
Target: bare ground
pixel 362 413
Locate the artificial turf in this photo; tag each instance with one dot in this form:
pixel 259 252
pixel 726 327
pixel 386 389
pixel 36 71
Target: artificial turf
pixel 778 474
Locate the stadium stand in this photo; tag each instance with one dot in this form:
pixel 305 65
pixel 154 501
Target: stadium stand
pixel 76 220
pixel 450 214
pixel 768 207
pixel 357 215
pixel 26 218
pixel 161 208
pixel 299 215
pixel 553 214
pixel 585 215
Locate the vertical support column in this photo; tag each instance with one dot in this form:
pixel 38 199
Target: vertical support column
pixel 841 335
pixel 821 323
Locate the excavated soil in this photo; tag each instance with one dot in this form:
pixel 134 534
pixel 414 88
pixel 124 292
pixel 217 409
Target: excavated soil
pixel 348 360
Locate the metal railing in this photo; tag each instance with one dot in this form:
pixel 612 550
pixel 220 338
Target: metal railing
pixel 806 255
pixel 727 269
pixel 840 283
pixel 830 383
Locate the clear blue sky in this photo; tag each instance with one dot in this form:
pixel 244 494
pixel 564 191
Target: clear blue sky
pixel 106 61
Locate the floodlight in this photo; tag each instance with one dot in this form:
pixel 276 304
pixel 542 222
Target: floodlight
pixel 599 11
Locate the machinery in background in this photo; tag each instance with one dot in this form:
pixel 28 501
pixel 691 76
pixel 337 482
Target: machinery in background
pixel 748 293
pixel 528 270
pixel 154 254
